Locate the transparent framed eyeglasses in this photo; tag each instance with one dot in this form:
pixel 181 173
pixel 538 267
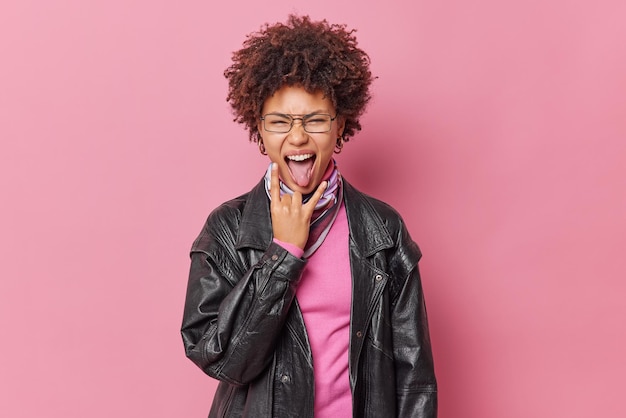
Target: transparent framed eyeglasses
pixel 314 123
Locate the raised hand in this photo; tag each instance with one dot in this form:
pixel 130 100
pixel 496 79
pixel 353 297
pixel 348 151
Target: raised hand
pixel 290 217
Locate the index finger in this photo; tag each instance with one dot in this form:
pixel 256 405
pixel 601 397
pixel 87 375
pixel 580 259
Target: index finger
pixel 274 184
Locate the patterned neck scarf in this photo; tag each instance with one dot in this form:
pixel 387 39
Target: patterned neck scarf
pixel 326 209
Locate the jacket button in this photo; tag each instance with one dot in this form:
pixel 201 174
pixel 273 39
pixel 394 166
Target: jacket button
pixel 284 379
pixel 359 334
pixel 274 257
pixel 379 277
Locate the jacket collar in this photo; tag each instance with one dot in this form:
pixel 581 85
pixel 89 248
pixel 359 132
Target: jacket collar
pixel 367 229
pixel 255 230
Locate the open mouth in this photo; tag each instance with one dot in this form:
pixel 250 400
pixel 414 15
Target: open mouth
pixel 301 168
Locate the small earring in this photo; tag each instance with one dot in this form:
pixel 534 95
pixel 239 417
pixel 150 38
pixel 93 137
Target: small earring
pixel 261 146
pixel 339 144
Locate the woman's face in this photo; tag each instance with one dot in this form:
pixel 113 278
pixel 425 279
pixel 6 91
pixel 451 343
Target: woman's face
pixel 302 157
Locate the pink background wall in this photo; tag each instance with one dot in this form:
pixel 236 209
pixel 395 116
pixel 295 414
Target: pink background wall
pixel 498 129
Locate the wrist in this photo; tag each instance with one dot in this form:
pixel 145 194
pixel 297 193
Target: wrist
pixel 292 248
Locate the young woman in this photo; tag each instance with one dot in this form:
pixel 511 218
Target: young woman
pixel 304 296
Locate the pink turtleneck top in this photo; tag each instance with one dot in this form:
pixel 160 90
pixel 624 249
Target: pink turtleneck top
pixel 324 296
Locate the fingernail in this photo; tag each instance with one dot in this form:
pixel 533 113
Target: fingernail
pixel 274 166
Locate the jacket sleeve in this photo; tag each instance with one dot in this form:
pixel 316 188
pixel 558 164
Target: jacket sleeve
pixel 233 316
pixel 415 375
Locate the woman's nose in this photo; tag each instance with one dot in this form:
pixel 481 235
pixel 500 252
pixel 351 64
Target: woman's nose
pixel 298 135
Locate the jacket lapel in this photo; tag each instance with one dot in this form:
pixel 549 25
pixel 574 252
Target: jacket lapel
pixel 255 230
pixel 367 230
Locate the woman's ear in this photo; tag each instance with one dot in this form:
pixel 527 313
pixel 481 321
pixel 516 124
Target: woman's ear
pixel 259 128
pixel 341 125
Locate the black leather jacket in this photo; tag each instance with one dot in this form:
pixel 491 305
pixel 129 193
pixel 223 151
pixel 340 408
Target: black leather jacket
pixel 242 324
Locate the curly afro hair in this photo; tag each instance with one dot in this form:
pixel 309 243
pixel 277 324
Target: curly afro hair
pixel 315 55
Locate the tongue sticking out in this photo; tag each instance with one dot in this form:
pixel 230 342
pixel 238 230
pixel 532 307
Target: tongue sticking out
pixel 301 171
